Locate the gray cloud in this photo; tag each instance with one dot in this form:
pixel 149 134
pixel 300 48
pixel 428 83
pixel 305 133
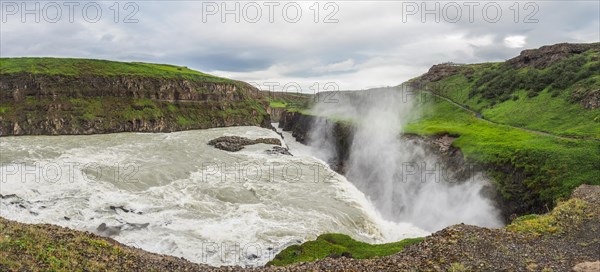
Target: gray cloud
pixel 370 46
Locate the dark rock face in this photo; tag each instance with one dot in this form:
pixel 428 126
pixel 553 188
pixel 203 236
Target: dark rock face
pixel 66 105
pixel 300 125
pixel 591 100
pixel 237 143
pixel 275 113
pixel 440 71
pixel 547 55
pixel 18 86
pixel 452 157
pixel 538 58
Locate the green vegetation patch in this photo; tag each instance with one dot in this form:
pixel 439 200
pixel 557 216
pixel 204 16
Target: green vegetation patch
pixel 568 214
pixel 26 247
pixel 4 109
pixel 336 245
pixel 277 104
pixel 182 121
pixel 290 101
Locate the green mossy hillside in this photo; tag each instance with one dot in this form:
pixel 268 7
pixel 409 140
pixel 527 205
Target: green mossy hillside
pixel 337 245
pixel 557 99
pixel 531 169
pixel 95 67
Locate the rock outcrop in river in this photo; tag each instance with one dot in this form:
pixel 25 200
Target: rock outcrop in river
pixel 237 143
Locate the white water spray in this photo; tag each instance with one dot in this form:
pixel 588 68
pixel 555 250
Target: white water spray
pixel 406 183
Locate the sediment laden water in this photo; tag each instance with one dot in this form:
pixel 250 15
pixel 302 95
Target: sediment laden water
pixel 171 193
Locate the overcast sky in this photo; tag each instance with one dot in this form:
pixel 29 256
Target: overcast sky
pixel 354 44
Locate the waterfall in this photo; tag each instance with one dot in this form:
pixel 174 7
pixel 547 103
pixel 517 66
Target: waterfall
pixel 404 181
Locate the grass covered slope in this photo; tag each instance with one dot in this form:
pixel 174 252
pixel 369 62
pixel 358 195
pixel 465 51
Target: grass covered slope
pixel 289 100
pixel 534 120
pixel 79 96
pixel 554 89
pixel 43 247
pixel 337 245
pixel 532 171
pixel 96 67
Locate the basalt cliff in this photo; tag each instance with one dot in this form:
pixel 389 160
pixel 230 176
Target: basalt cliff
pixel 72 96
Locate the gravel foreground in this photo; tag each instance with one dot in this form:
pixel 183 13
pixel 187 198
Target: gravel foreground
pixel 572 243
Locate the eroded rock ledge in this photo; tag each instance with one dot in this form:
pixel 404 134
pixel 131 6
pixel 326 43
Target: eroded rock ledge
pixel 38 104
pixel 545 56
pixel 300 125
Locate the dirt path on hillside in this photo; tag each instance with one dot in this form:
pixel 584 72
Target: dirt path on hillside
pixel 480 116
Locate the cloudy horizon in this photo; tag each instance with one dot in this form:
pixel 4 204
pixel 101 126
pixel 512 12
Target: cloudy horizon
pixel 354 44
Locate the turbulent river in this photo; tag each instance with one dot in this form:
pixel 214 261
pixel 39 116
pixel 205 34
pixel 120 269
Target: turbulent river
pixel 171 193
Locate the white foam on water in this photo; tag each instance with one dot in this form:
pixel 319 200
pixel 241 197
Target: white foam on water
pixel 200 203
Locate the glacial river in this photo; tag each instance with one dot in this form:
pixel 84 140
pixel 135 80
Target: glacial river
pixel 173 194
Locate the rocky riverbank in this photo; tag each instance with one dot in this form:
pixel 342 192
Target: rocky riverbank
pixel 561 240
